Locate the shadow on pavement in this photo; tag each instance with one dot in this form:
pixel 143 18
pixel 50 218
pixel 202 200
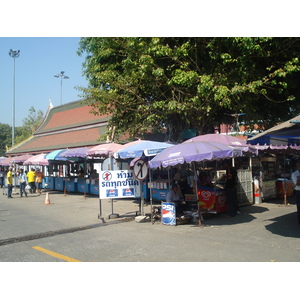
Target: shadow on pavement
pixel 246 216
pixel 285 225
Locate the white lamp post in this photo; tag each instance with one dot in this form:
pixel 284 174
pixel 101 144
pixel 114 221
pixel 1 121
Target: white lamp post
pixel 14 54
pixel 62 76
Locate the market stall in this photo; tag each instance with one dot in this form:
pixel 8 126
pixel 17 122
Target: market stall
pixel 273 168
pixel 145 149
pixel 190 153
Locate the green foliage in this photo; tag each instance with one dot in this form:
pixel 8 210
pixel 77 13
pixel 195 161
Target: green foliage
pixel 22 133
pixel 5 138
pixel 174 84
pixel 30 124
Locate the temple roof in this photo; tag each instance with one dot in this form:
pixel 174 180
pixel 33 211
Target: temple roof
pixel 67 126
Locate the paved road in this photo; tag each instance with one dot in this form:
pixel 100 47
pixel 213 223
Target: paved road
pixel 69 230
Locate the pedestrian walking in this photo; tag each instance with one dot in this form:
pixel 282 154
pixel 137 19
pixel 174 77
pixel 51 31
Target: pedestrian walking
pixel 23 182
pixel 2 176
pixel 39 176
pixel 230 190
pixel 9 180
pixel 31 180
pixel 296 181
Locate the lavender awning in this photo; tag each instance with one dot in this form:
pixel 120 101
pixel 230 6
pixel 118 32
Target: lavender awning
pixel 190 151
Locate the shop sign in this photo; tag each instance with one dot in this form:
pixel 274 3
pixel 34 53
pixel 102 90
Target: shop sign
pixel 168 213
pixel 118 184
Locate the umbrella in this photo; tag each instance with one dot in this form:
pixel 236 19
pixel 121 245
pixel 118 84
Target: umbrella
pixel 231 141
pixel 191 151
pixel 76 152
pixel 15 159
pixel 21 158
pixel 140 148
pixel 39 160
pixel 107 149
pixel 6 161
pixel 56 155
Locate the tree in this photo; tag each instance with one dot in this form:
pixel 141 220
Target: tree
pixel 30 124
pixel 5 137
pixel 22 133
pixel 174 84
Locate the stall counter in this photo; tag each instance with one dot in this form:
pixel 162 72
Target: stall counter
pixel 83 185
pixel 71 184
pixel 94 186
pixel 51 182
pixel 59 183
pixel 212 200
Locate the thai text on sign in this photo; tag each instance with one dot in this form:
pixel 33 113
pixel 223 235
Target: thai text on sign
pixel 118 184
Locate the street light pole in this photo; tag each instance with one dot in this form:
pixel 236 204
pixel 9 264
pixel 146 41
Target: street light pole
pixel 14 54
pixel 62 76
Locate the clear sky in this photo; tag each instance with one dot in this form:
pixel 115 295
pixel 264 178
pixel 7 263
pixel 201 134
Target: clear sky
pixel 40 59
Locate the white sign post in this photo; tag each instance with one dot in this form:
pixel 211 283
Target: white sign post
pixel 140 170
pixel 118 184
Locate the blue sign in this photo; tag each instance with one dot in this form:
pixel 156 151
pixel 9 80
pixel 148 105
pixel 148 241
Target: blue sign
pixel 129 192
pixel 112 193
pixel 168 213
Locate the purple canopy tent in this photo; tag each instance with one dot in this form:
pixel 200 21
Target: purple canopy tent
pixel 20 159
pixel 37 160
pixel 105 150
pixel 2 158
pixel 190 151
pixel 7 161
pixel 75 152
pixel 228 140
pixel 15 160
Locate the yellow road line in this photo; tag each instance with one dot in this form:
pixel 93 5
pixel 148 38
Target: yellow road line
pixel 55 254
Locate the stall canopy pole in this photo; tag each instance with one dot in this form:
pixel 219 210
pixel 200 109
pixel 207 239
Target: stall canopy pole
pixel 100 203
pixel 284 182
pixel 196 190
pixel 151 201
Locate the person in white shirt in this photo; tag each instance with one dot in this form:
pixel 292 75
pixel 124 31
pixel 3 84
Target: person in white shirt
pixel 175 196
pixel 296 181
pixel 23 182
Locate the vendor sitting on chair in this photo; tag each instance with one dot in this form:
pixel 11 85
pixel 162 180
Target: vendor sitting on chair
pixel 175 196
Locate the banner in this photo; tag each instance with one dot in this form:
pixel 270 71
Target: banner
pixel 118 184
